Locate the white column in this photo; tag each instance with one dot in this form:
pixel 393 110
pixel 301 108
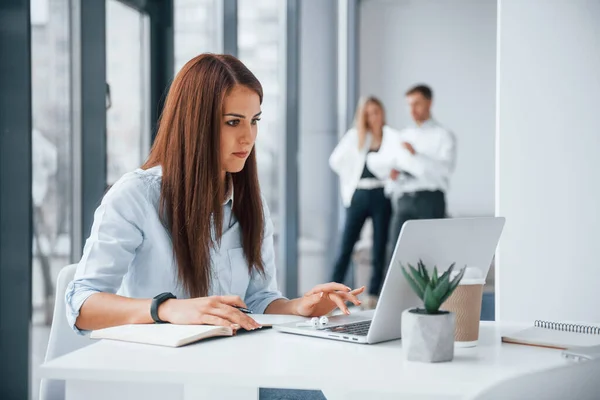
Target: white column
pixel 548 160
pixel 318 136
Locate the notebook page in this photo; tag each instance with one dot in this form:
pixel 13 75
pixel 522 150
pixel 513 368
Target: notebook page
pixel 275 319
pixel 554 338
pixel 160 334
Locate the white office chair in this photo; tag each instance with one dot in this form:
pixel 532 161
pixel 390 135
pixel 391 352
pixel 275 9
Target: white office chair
pixel 577 381
pixel 62 338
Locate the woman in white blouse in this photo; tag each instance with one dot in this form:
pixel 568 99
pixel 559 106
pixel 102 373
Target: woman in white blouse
pixel 187 238
pixel 362 192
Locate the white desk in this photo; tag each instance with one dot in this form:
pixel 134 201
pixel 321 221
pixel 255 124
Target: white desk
pixel 234 367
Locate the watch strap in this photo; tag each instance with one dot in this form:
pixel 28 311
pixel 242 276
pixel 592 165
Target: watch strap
pixel 156 302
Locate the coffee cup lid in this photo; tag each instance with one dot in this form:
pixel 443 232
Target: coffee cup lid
pixel 472 276
pixel 471 282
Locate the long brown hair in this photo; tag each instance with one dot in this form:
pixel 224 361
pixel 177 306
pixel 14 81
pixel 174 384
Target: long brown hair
pixel 360 118
pixel 187 146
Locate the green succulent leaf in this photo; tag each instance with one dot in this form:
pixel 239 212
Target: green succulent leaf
pixel 418 277
pixel 448 271
pixel 423 271
pixel 432 303
pixel 442 288
pixel 412 283
pixel 459 277
pixel 432 289
pixel 443 278
pixel 454 283
pixel 434 277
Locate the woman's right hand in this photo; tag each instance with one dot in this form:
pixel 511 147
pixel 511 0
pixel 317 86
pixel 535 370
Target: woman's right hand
pixel 213 310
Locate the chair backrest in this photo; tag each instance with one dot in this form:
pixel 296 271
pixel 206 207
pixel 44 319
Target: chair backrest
pixel 571 381
pixel 63 339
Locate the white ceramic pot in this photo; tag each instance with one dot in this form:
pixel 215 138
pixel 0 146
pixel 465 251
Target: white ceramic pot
pixel 428 338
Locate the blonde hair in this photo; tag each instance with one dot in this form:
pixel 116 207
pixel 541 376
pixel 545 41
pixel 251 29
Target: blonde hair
pixel 360 117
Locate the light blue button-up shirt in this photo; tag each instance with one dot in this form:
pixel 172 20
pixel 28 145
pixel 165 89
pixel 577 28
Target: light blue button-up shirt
pixel 129 251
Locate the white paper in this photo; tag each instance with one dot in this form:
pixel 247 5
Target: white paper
pixel 556 338
pixel 159 334
pixel 275 319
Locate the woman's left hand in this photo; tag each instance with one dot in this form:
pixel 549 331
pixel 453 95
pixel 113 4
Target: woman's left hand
pixel 324 298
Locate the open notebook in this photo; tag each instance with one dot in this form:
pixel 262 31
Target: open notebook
pixel 557 335
pixel 179 335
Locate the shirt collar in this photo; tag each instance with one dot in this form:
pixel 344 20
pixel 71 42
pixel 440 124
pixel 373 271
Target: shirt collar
pixel 228 189
pixel 426 124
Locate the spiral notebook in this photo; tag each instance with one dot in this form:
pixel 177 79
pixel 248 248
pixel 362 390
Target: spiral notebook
pixel 557 335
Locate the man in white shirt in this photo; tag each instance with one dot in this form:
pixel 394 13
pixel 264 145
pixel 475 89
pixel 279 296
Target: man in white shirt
pixel 417 165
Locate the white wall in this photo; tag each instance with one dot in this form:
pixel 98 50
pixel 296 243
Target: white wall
pixel 450 45
pixel 548 160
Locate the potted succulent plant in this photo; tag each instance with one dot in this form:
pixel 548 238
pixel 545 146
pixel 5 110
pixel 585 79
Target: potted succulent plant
pixel 428 333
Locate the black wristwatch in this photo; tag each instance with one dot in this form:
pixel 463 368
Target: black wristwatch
pixel 156 302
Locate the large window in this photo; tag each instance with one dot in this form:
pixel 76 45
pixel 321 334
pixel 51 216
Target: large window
pixel 51 158
pixel 260 47
pixel 197 29
pixel 128 89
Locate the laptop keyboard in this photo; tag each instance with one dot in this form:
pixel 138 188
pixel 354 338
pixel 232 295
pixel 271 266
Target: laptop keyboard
pixel 357 328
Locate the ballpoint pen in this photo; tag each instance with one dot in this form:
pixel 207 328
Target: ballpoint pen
pixel 244 310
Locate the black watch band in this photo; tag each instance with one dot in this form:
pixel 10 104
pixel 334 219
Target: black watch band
pixel 156 302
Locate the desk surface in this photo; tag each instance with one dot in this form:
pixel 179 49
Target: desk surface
pixel 273 359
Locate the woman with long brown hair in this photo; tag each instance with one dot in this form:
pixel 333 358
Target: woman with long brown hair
pixel 362 192
pixel 187 238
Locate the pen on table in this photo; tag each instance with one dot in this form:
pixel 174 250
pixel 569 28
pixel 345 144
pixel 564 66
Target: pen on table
pixel 244 310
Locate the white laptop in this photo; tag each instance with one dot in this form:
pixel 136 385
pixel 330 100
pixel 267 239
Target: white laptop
pixel 466 241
